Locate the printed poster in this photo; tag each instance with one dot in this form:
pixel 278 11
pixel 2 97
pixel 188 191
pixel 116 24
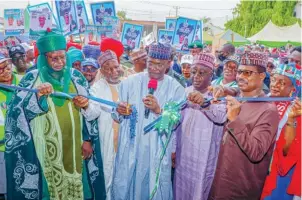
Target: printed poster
pixel 171 23
pixel 103 31
pixel 13 22
pixel 41 18
pixel 101 10
pixel 67 16
pixel 131 35
pixel 90 34
pixel 82 17
pixel 184 33
pixel 198 32
pixel 165 36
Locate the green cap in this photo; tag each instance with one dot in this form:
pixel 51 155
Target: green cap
pixel 196 44
pixel 51 41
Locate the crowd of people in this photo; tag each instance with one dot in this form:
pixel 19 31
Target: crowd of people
pixel 233 141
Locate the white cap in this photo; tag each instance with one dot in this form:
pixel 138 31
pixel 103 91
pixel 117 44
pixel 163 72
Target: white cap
pixel 27 47
pixel 186 59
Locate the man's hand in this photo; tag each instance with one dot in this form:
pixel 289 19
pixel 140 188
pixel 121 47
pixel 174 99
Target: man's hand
pixel 86 150
pixel 151 102
pixel 81 102
pixel 233 108
pixel 124 109
pixel 295 109
pixel 44 89
pixel 196 98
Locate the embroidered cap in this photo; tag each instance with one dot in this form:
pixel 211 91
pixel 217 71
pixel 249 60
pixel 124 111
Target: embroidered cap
pixel 204 59
pixel 90 62
pixel 107 55
pixel 142 53
pixel 186 59
pixel 234 58
pixel 160 51
pixel 254 59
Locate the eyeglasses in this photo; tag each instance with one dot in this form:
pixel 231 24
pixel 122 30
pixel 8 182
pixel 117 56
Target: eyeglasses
pixel 6 65
pixel 57 59
pixel 202 74
pixel 247 72
pixel 155 65
pixel 88 69
pixel 16 58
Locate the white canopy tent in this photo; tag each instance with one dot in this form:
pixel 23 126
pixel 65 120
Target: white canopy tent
pixel 273 33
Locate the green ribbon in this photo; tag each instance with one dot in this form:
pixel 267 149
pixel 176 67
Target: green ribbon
pixel 170 117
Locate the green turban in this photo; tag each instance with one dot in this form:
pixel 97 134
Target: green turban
pixel 60 80
pixel 51 41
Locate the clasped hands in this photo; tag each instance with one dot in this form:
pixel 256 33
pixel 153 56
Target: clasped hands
pixel 46 89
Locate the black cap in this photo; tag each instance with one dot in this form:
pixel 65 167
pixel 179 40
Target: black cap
pixel 16 49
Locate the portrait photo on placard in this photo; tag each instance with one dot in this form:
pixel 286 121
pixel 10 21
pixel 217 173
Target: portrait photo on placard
pixel 90 34
pixel 170 24
pixel 13 22
pixel 165 36
pixel 81 15
pixel 184 33
pixel 131 35
pixel 67 16
pixel 101 10
pixel 198 32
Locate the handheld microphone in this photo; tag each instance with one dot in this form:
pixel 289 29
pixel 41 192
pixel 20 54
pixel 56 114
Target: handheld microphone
pixel 152 85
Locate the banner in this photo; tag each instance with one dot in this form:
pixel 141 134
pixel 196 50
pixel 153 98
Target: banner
pixel 184 33
pixel 114 22
pixel 103 31
pixel 149 39
pixel 170 24
pixel 198 32
pixel 101 10
pixel 82 17
pixel 131 35
pixel 39 21
pixel 43 8
pixel 13 22
pixel 67 16
pixel 90 34
pixel 165 36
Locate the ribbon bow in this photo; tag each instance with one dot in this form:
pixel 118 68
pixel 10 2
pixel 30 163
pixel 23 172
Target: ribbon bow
pixel 170 117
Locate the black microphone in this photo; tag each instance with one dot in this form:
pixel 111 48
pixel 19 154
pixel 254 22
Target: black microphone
pixel 152 85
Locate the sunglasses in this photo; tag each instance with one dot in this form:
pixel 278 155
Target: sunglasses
pixel 247 73
pixel 88 69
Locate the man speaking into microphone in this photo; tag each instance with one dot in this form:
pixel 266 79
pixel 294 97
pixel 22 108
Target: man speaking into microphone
pixel 138 157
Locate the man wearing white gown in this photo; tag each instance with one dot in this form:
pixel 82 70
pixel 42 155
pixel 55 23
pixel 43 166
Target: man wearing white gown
pixel 106 88
pixel 137 157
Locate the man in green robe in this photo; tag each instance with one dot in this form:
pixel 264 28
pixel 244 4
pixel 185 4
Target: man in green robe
pixel 46 136
pixel 7 78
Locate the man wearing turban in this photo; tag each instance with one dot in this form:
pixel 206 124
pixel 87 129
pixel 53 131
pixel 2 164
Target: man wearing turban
pixel 45 135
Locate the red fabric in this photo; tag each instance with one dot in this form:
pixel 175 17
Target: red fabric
pixel 282 164
pixel 73 44
pixel 36 51
pixel 113 45
pixel 94 43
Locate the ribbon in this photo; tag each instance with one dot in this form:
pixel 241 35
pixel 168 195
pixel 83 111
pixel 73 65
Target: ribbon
pixel 170 117
pixel 151 126
pixel 132 117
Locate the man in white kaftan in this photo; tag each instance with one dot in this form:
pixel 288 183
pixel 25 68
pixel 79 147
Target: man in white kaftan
pixel 138 154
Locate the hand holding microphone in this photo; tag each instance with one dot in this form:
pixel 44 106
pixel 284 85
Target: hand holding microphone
pixel 150 101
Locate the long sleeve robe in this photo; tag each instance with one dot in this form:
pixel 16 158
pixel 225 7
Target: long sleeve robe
pixel 245 153
pixel 198 141
pixel 138 157
pixel 108 128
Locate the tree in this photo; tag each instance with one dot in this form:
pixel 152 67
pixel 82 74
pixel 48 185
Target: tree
pixel 252 16
pixel 122 15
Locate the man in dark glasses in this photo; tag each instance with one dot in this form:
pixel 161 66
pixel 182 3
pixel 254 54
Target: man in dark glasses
pixel 17 54
pixel 249 137
pixel 89 68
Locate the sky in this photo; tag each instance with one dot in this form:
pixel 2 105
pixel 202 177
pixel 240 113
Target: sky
pixel 155 10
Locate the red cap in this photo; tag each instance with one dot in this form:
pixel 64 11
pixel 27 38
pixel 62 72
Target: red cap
pixel 73 44
pixel 94 43
pixel 152 84
pixel 113 45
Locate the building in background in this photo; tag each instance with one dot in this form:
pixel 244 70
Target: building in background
pixel 297 10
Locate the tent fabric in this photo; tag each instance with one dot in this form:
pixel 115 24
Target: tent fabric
pixel 233 37
pixel 273 33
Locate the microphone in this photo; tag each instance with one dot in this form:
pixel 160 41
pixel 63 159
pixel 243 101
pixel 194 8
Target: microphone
pixel 152 85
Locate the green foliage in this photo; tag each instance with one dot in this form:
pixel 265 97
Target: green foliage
pixel 252 16
pixel 122 15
